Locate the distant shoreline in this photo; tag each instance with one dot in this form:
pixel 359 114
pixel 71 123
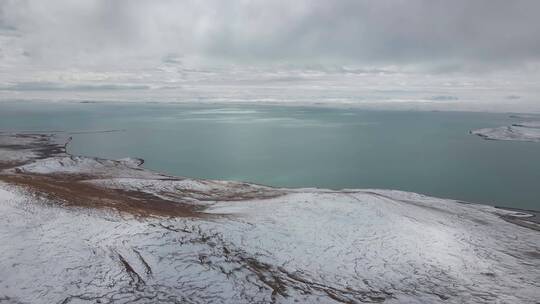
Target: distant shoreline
pixel 420 106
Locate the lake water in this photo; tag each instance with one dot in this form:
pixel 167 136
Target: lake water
pixel 425 152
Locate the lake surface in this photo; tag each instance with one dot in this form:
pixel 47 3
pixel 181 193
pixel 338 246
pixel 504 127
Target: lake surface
pixel 426 152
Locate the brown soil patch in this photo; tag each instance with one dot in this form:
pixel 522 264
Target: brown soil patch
pixel 72 192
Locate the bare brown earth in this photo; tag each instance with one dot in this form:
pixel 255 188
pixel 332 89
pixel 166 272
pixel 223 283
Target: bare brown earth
pixel 76 193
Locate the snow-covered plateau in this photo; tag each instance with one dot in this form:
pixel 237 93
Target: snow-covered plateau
pixel 87 230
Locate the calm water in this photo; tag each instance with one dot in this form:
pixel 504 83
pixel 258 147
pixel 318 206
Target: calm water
pixel 426 152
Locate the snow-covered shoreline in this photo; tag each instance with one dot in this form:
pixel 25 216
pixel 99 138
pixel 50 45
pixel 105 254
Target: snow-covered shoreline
pixel 243 243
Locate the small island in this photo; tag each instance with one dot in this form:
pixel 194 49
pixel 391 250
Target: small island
pixel 524 131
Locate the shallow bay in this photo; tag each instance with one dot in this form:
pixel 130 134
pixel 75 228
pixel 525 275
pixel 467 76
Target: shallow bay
pixel 293 146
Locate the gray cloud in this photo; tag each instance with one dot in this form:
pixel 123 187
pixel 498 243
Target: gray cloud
pixel 460 54
pixel 443 98
pixel 51 86
pixel 446 34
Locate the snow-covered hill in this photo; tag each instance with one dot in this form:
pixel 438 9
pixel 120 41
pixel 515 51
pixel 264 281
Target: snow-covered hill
pixel 68 235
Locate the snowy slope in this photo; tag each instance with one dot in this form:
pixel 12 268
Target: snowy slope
pixel 250 243
pixel 320 246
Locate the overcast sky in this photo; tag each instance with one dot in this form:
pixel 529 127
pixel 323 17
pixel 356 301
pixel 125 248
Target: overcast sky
pixel 137 44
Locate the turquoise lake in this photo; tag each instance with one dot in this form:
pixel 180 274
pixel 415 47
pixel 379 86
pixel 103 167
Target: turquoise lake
pixel 292 146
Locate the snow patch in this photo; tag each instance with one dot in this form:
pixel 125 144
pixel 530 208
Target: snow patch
pixel 529 131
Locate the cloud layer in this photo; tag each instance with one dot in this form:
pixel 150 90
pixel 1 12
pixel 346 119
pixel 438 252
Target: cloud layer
pixel 93 45
pixel 307 31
